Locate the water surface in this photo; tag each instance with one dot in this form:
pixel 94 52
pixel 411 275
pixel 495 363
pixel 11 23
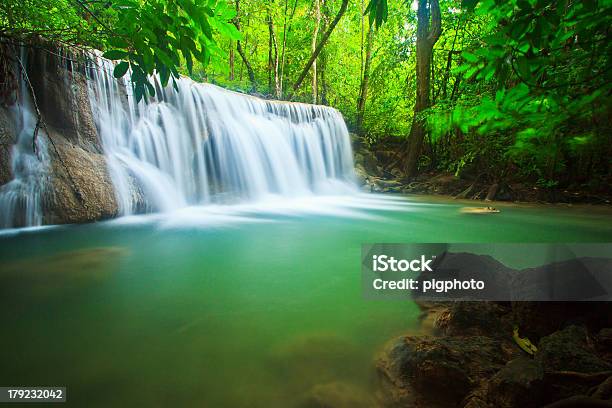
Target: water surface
pixel 242 306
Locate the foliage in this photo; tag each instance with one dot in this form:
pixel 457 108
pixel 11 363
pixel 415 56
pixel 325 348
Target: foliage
pixel 147 36
pixel 158 35
pixel 519 88
pixel 541 73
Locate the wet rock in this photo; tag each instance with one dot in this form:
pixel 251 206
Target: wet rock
pixel 604 340
pixel 389 183
pixel 520 383
pixel 357 141
pixel 62 95
pixel 371 164
pixel 360 175
pixel 78 187
pixel 539 319
pixel 7 139
pixel 492 192
pixel 416 366
pixel 358 158
pixel 474 318
pixel 568 350
pixel 82 190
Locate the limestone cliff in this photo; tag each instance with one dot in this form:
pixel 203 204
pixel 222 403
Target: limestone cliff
pixel 79 187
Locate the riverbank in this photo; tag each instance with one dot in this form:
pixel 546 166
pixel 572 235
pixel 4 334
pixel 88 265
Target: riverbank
pixel 471 349
pixel 376 171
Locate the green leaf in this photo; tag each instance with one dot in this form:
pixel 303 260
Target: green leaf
pixel 115 54
pixel 138 91
pixel 150 88
pixel 469 57
pixel 121 69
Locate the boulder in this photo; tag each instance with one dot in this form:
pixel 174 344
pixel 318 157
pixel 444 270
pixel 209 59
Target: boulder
pixel 539 319
pixel 520 383
pixel 568 350
pixel 81 187
pixel 415 367
pixel 474 318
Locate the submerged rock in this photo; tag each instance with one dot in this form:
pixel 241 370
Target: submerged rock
pixel 520 383
pixel 59 273
pixel 474 318
pixel 312 358
pixel 336 395
pixel 472 361
pixel 568 350
pixel 415 367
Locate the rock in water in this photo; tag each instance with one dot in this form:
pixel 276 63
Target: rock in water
pixel 479 210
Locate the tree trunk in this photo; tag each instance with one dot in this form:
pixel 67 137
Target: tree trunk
pixel 427 35
pixel 365 79
pixel 449 60
pixel 315 34
pixel 286 29
pixel 273 81
pixel 241 52
pixel 231 60
pixel 322 43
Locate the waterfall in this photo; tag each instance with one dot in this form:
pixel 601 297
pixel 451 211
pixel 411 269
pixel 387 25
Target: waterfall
pixel 21 198
pixel 200 144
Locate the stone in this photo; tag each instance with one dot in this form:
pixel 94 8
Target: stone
pixel 568 350
pixel 473 318
pixel 371 164
pixel 81 187
pixel 418 365
pixel 7 139
pixel 360 175
pixel 520 383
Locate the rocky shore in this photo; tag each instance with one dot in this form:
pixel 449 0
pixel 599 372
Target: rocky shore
pixel 376 169
pixel 470 359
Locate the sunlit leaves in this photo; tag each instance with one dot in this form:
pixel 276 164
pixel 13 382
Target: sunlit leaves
pixel 162 35
pixel 378 12
pixel 543 70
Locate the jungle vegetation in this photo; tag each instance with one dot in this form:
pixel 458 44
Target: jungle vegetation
pixel 515 89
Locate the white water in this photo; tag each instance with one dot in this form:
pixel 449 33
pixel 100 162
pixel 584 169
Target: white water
pixel 21 198
pixel 203 145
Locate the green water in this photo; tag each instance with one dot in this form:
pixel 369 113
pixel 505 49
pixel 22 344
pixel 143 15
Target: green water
pixel 249 311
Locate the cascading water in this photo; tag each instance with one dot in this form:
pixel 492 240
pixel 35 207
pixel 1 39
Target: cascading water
pixel 203 144
pixel 21 198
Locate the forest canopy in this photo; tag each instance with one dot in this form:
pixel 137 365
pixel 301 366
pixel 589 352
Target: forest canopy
pixel 517 88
